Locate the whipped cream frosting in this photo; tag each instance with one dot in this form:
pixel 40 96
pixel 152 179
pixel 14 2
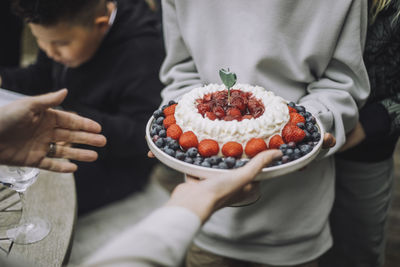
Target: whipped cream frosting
pixel 271 122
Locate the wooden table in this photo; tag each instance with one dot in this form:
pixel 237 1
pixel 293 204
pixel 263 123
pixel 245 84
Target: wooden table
pixel 53 197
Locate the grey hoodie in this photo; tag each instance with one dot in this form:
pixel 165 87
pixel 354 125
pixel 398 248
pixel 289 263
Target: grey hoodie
pixel 307 51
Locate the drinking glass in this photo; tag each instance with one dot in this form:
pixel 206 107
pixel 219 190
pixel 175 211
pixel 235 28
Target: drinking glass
pixel 31 229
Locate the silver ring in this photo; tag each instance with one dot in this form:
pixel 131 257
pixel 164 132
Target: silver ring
pixel 52 150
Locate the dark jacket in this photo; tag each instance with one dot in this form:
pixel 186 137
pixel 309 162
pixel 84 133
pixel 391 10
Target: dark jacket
pixel 119 88
pixel 380 117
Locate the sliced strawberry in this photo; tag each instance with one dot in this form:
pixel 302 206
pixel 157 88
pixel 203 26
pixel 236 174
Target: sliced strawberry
pixel 211 115
pixel 219 112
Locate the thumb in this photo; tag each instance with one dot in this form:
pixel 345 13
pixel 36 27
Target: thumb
pixel 50 100
pixel 254 166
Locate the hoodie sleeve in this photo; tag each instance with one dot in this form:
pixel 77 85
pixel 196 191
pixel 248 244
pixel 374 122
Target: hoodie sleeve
pixel 32 80
pixel 178 71
pixel 344 87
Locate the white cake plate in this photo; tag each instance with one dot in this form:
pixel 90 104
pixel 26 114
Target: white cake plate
pixel 205 172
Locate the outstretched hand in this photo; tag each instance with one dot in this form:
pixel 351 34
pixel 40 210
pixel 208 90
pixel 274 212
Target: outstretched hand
pixel 28 126
pixel 203 197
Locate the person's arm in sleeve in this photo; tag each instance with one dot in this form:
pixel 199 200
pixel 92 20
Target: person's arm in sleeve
pixel 32 80
pixel 125 129
pixel 163 237
pixel 178 72
pixel 336 96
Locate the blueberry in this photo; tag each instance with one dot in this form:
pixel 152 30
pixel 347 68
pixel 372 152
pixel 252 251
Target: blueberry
pixel 188 160
pixel 285 159
pixel 315 128
pixel 197 162
pixel 199 158
pixel 192 152
pixel 230 162
pixel 316 136
pixel 307 115
pixel 158 113
pixel 173 144
pixel 165 147
pixel 214 160
pixel 305 149
pixel 160 120
pixel 153 132
pixel 162 133
pixel 170 152
pixel 155 138
pixel 310 127
pixel 296 153
pixel 291 145
pixel 311 119
pixel 180 155
pixel 172 102
pixel 283 147
pixel 157 127
pixel 292 104
pixel 301 125
pixel 164 107
pixel 308 135
pixel 302 113
pixel 300 109
pixel 208 160
pixel 223 165
pixel 206 164
pixel 289 153
pixel 160 142
pixel 240 163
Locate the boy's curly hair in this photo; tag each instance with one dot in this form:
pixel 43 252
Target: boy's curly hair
pixel 51 12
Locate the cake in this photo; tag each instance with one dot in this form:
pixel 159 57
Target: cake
pixel 190 114
pixel 214 127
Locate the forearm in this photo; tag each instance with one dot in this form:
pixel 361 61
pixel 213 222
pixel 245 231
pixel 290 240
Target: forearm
pixel 336 96
pixel 161 239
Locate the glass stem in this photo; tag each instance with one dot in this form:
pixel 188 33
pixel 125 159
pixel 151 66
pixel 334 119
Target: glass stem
pixel 23 200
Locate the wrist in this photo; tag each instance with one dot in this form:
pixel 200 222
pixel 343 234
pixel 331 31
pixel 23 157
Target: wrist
pixel 203 206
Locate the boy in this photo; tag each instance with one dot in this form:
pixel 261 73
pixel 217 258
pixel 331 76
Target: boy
pixel 307 51
pixel 108 55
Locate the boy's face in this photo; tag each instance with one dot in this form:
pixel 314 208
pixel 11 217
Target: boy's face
pixel 70 45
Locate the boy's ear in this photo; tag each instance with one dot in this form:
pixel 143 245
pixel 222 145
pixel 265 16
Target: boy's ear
pixel 102 23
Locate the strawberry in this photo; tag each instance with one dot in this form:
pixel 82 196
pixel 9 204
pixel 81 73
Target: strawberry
pixel 170 110
pixel 174 131
pixel 238 103
pixel 211 115
pixel 229 118
pixel 292 110
pixel 234 112
pixel 203 108
pixel 292 133
pixel 232 149
pixel 168 121
pixel 208 148
pixel 219 111
pixel 248 116
pixel 188 140
pixel 275 142
pixel 296 118
pixel 255 146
